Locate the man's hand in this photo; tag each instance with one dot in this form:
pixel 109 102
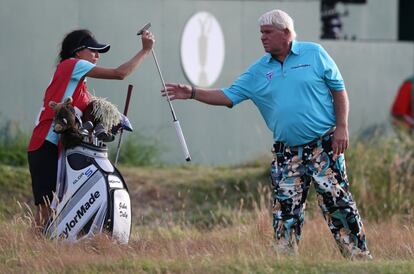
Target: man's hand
pixel 340 141
pixel 177 91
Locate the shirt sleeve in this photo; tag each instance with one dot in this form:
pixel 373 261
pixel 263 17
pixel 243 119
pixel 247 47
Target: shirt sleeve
pixel 331 74
pixel 240 89
pixel 81 68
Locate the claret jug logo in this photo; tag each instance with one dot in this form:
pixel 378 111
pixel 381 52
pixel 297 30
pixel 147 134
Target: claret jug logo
pixel 202 49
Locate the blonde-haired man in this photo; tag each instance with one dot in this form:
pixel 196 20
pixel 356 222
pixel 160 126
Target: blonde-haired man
pixel 301 95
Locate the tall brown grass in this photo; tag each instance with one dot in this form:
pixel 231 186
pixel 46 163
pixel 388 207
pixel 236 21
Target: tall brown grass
pixel 244 247
pixel 381 171
pixel 239 235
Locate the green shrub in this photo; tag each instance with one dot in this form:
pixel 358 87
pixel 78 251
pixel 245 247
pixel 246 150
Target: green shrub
pixel 15 186
pixel 13 144
pixel 136 150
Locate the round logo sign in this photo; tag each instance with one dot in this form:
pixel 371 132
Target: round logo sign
pixel 202 49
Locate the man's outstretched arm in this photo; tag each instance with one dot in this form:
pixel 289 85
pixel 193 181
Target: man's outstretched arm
pixel 209 96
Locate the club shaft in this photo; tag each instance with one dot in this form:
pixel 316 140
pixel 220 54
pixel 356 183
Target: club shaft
pixel 118 148
pixel 177 125
pixel 163 84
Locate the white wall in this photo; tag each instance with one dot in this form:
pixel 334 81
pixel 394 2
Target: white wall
pixel 32 30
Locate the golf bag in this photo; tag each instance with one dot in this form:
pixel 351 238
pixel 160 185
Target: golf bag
pixel 91 197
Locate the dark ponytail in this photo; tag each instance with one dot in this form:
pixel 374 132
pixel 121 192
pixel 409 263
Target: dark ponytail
pixel 71 42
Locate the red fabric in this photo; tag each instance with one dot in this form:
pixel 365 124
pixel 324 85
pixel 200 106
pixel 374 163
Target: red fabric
pixel 402 103
pixel 55 92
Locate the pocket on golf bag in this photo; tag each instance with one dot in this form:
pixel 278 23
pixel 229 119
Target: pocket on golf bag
pixel 119 213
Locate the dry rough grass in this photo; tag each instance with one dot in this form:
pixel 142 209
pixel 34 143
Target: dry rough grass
pixel 172 205
pixel 178 248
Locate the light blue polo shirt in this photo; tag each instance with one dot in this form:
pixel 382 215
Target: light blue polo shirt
pixel 295 97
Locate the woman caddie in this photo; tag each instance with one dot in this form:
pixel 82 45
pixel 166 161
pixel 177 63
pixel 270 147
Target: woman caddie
pixel 79 54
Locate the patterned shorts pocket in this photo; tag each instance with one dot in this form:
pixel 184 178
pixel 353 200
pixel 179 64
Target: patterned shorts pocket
pixel 275 173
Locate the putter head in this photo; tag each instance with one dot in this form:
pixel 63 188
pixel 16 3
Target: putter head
pixel 144 28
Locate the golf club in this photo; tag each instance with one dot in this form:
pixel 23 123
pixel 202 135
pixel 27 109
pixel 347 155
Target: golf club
pixel 130 87
pixel 175 119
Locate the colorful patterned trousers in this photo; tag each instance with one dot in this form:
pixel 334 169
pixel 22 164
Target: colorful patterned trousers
pixel 293 171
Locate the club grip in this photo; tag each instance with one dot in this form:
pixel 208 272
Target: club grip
pixel 128 98
pixel 182 140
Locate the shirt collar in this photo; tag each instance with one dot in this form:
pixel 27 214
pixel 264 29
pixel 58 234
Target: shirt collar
pixel 268 57
pixel 294 49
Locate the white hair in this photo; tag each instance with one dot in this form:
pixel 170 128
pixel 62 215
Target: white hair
pixel 279 19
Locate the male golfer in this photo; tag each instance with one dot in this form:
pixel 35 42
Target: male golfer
pixel 300 93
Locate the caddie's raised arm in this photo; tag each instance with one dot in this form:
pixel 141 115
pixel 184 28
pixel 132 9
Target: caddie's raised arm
pixel 124 70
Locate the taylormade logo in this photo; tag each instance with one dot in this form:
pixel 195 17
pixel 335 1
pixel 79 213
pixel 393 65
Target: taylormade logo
pixel 79 214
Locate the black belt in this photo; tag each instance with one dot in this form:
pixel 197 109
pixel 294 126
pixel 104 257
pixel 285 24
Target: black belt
pixel 280 146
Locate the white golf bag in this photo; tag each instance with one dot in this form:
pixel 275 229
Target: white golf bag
pixel 91 197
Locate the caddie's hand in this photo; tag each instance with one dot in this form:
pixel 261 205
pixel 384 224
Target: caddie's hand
pixel 340 141
pixel 148 40
pixel 177 91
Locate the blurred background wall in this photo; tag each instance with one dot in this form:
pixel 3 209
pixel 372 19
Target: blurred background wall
pixel 374 51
